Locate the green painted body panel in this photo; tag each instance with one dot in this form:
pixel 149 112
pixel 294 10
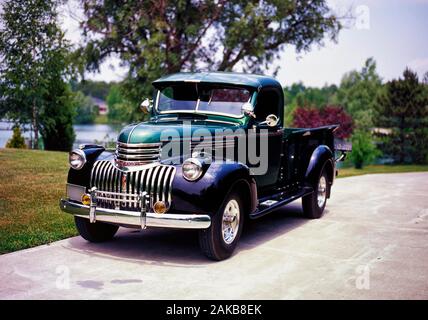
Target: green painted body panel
pixel 150 131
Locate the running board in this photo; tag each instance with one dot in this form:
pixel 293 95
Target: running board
pixel 270 205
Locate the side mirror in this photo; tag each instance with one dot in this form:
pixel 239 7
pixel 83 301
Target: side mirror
pixel 146 106
pixel 247 109
pixel 271 121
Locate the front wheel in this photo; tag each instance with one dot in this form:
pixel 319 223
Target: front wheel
pixel 95 232
pixel 219 241
pixel 313 204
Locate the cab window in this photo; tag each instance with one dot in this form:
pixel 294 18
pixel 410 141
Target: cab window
pixel 267 103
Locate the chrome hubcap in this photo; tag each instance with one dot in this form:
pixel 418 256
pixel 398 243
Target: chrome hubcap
pixel 322 191
pixel 230 221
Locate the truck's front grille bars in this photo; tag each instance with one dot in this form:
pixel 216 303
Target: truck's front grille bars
pixel 120 190
pixel 141 152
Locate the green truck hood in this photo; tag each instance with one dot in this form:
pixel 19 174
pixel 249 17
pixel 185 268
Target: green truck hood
pixel 150 132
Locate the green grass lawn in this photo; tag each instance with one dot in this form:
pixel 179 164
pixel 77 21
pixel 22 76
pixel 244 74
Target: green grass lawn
pixel 371 169
pixel 32 182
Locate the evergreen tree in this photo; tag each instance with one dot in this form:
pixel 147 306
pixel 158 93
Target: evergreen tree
pixel 425 79
pixel 17 141
pixel 402 108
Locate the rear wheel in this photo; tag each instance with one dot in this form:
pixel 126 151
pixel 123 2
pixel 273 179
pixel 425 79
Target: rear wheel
pixel 95 232
pixel 314 203
pixel 219 241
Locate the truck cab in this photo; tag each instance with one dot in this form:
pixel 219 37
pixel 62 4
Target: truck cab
pixel 212 153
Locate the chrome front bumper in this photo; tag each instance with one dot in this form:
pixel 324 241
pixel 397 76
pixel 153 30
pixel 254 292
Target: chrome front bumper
pixel 136 218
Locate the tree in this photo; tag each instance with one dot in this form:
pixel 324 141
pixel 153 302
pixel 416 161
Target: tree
pixel 120 109
pixel 85 110
pixel 313 117
pixel 297 95
pixel 290 94
pixel 114 96
pixel 97 89
pixel 154 38
pixel 33 66
pixel 17 141
pixel 425 79
pixel 57 116
pixel 357 94
pixel 316 97
pixel 364 150
pixel 402 108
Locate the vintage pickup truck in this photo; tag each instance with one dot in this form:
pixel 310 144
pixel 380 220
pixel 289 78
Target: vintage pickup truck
pixel 212 154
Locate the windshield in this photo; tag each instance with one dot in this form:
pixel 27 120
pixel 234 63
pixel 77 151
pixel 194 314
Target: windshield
pixel 203 98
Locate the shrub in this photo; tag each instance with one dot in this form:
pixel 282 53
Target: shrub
pixel 364 150
pixel 17 141
pixel 311 117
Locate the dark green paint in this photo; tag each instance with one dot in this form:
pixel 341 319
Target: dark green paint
pixel 226 78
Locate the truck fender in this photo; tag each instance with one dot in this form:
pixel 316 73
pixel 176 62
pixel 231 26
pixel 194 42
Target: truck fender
pixel 207 194
pixel 321 156
pixel 82 177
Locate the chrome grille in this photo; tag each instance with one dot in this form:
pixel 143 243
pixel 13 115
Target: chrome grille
pixel 139 152
pixel 114 192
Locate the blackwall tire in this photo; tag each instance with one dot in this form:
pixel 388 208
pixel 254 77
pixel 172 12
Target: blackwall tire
pixel 314 203
pixel 219 241
pixel 95 232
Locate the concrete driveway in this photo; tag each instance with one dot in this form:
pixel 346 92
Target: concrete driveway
pixel 372 243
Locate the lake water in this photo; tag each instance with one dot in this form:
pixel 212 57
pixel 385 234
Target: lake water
pixel 85 133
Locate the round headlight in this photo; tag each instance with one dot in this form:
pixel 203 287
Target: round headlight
pixel 192 169
pixel 77 159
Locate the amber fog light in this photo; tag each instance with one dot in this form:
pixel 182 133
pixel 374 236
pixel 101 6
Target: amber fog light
pixel 160 207
pixel 86 199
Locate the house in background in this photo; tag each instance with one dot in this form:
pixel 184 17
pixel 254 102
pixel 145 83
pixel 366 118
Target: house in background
pixel 101 104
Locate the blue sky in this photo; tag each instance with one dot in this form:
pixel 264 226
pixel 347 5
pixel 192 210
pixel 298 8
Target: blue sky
pixel 394 32
pixel 397 36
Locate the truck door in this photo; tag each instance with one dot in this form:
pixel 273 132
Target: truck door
pixel 268 100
